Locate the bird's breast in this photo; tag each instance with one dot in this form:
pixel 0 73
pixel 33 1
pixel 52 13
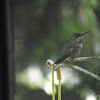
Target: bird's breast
pixel 75 51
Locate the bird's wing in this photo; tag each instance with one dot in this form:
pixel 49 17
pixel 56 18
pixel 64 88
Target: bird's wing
pixel 64 52
pixel 60 59
pixel 67 47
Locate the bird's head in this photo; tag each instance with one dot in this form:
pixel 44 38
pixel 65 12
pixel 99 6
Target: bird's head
pixel 77 37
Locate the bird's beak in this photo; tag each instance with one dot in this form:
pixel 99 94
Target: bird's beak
pixel 85 33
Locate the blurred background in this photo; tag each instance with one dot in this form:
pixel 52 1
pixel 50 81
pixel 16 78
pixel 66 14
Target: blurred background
pixel 40 27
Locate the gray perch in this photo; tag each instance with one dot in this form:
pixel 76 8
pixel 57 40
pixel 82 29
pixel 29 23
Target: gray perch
pixel 49 62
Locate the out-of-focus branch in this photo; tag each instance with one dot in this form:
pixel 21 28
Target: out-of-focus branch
pixel 85 58
pixel 57 66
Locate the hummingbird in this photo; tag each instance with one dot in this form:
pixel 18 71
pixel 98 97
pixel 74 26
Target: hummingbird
pixel 72 48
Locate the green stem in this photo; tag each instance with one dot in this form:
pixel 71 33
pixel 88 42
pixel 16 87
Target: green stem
pixel 59 90
pixel 53 92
